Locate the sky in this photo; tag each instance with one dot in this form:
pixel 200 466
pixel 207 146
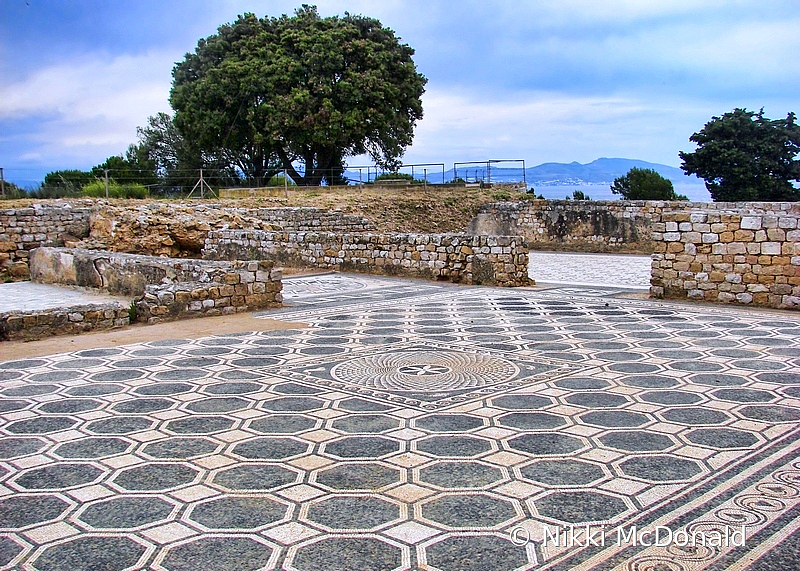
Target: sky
pixel 543 81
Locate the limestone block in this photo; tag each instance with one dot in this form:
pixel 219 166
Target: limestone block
pixel 736 248
pixel 751 223
pixel 781 289
pixel 776 235
pixel 199 294
pixel 769 221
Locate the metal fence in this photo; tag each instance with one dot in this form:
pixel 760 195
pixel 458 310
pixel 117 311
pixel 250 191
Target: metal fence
pixel 20 182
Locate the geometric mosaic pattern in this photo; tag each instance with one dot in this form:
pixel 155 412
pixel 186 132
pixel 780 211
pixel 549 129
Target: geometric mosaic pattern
pixel 411 426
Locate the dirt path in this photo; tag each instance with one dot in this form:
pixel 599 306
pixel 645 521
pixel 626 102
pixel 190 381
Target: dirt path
pixel 188 329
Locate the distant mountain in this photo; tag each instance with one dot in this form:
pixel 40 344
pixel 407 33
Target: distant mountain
pixel 601 171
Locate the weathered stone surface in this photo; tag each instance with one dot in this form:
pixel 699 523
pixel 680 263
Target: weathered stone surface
pixel 750 261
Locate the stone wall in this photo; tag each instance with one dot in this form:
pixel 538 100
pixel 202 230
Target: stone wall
pixel 29 325
pixel 575 225
pixel 180 229
pixel 24 229
pixel 156 228
pixel 167 288
pixel 460 258
pixel 733 253
pixel 302 219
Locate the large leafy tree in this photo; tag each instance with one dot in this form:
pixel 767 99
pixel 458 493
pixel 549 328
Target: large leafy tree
pixel 744 156
pixel 644 184
pixel 299 91
pixel 173 159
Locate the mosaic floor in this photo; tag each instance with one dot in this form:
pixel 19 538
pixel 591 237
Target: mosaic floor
pixel 412 426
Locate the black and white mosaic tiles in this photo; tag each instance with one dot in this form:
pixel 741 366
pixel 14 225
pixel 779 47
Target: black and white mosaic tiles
pixel 414 426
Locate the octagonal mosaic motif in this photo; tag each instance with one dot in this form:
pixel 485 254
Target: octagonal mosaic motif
pixel 411 426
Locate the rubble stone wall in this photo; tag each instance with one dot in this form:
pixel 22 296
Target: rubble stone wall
pixel 24 229
pixel 622 226
pixel 460 258
pixel 745 253
pixel 166 288
pixel 156 228
pixel 30 325
pixel 302 219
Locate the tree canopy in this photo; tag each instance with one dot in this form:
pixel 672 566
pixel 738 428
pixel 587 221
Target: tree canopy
pixel 743 156
pixel 644 184
pixel 273 93
pixel 172 157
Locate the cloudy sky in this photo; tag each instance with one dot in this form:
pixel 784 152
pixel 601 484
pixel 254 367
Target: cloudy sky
pixel 545 80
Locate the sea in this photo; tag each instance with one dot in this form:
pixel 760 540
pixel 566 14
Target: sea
pixel 597 191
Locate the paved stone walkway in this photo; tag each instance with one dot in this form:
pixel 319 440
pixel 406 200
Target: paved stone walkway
pixel 590 269
pixel 29 296
pixel 414 425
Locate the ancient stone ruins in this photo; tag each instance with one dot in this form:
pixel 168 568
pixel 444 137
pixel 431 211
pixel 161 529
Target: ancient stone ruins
pixel 402 413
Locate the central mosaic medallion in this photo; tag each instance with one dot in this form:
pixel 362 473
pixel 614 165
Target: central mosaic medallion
pixel 428 376
pixel 425 371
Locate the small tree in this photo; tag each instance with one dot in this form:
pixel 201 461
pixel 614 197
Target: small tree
pixel 644 184
pixel 65 182
pixel 127 170
pixel 744 156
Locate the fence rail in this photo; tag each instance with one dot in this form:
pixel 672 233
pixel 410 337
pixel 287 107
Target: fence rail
pixel 25 182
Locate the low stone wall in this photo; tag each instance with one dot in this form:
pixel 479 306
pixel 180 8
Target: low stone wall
pixel 460 258
pixel 155 228
pixel 622 226
pixel 24 229
pixel 745 253
pixel 180 229
pixel 303 219
pixel 167 288
pixel 30 325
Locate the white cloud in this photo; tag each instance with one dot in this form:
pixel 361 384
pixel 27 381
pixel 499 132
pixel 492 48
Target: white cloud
pixel 550 126
pixel 91 106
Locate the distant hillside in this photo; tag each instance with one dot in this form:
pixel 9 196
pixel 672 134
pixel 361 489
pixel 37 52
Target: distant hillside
pixel 601 171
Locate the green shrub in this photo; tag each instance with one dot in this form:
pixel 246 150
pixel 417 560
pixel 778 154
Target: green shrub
pixel 281 180
pixel 12 191
pixel 97 189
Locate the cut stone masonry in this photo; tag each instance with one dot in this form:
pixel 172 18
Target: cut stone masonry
pixel 166 288
pixel 460 258
pixel 732 253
